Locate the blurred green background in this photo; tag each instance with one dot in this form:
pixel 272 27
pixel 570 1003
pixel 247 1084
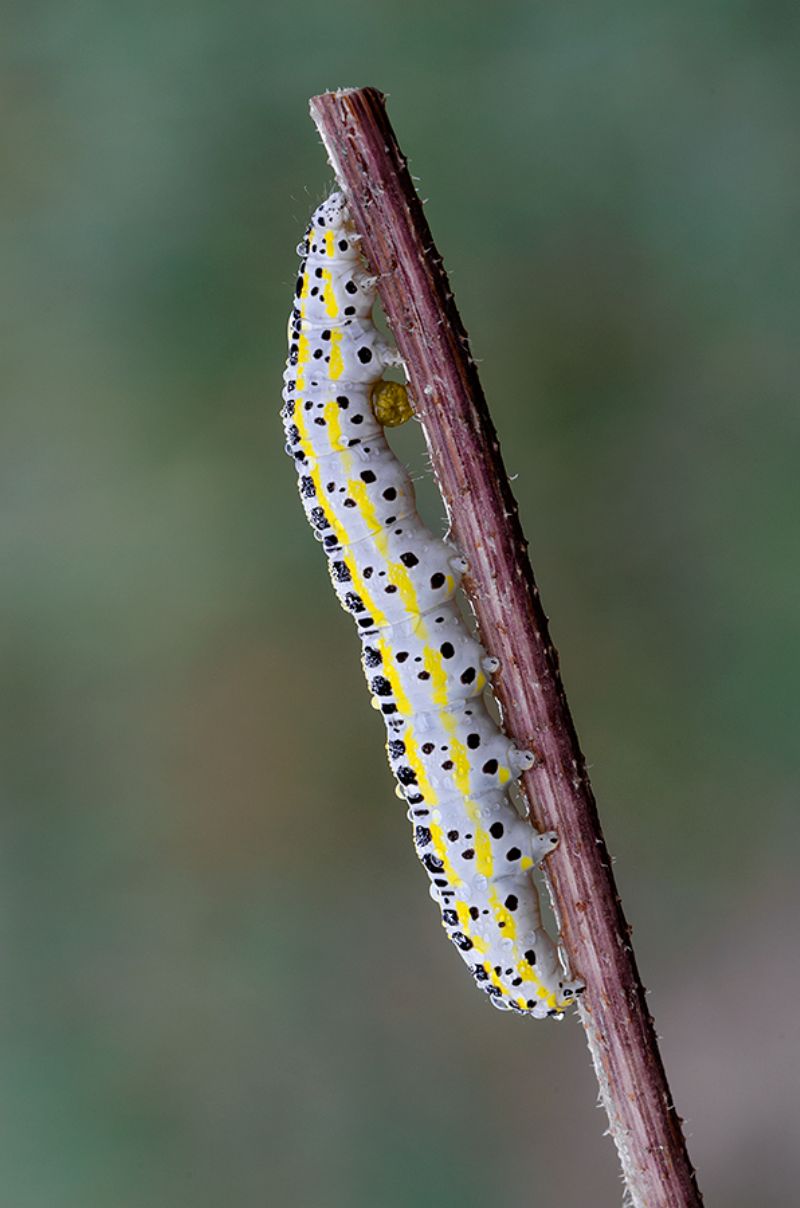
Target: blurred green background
pixel 224 982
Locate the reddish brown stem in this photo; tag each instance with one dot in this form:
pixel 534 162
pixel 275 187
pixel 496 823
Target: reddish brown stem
pixel 465 453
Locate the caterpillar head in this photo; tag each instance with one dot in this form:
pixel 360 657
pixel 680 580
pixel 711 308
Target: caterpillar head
pixel 332 212
pixel 331 239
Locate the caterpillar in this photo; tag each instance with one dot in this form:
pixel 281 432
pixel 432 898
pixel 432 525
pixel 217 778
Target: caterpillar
pixel 426 672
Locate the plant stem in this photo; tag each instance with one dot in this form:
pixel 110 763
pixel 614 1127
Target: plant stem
pixel 484 524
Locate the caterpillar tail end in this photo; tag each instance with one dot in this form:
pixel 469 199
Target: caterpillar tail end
pixel 571 991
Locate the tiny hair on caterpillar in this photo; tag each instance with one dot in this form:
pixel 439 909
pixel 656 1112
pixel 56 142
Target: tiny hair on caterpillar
pixel 426 673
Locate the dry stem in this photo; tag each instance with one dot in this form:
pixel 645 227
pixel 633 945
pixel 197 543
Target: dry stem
pixel 465 453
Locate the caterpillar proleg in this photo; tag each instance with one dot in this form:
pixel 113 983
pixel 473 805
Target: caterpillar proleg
pixel 426 672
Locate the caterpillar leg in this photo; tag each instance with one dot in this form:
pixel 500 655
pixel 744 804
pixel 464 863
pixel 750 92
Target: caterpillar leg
pixel 520 761
pixel 542 844
pixel 366 282
pixel 390 357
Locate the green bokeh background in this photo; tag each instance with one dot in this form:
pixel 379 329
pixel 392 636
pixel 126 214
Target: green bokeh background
pixel 224 982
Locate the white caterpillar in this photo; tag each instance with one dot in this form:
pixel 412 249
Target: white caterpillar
pixel 452 763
